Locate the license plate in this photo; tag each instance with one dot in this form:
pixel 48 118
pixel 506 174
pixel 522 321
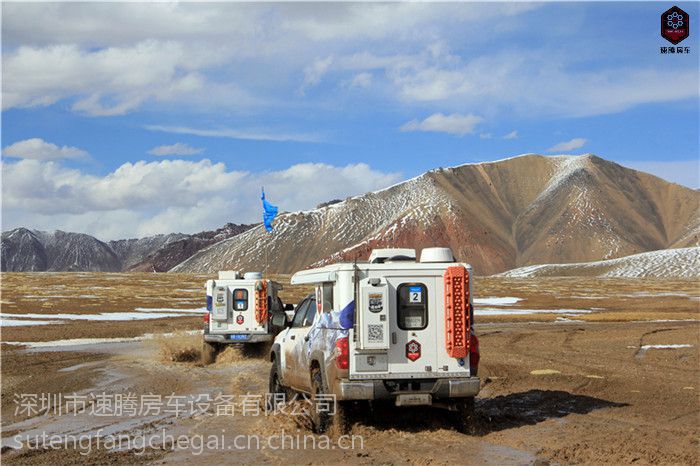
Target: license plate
pixel 414 400
pixel 239 336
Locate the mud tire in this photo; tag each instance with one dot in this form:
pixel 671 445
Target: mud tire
pixel 324 422
pixel 465 416
pixel 275 387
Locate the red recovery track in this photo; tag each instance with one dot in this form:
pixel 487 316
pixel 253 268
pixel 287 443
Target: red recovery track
pixel 261 301
pixel 457 312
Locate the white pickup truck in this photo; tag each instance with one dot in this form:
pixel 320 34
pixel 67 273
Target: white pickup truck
pixel 240 309
pixel 392 328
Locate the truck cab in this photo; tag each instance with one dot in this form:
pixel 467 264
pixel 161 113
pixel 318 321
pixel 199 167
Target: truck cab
pixel 240 309
pixel 391 328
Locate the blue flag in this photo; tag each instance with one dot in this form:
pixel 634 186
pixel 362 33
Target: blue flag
pixel 269 212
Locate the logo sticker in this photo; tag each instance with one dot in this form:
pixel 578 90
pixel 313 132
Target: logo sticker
pixel 240 319
pixel 376 302
pixel 675 25
pixel 413 350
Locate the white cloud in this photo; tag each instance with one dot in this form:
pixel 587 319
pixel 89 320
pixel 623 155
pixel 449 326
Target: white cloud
pixel 38 149
pixel 178 148
pixel 566 146
pixel 685 172
pixel 164 196
pixel 452 124
pixel 124 56
pixel 511 135
pixel 231 133
pixel 362 80
pixel 486 136
pixel 314 72
pixel 104 82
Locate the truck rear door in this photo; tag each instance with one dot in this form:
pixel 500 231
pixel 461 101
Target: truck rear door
pixel 240 318
pixel 412 326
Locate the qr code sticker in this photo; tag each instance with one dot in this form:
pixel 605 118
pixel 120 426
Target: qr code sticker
pixel 375 332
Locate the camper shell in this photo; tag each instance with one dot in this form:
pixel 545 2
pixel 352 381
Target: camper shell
pixel 390 328
pixel 240 310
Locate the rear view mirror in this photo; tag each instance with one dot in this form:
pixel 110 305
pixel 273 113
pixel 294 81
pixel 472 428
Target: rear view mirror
pixel 279 319
pixel 289 307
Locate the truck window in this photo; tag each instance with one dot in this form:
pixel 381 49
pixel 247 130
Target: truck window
pixel 300 313
pixel 412 306
pixel 240 299
pixel 310 313
pixel 327 297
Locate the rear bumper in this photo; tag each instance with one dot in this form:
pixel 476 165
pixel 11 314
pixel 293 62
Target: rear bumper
pixel 225 339
pixel 462 387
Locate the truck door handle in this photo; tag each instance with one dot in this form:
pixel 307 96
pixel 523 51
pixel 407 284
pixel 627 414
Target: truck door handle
pixel 393 338
pixel 293 337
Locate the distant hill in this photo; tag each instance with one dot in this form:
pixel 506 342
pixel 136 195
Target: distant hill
pixel 681 263
pixel 25 250
pixel 173 253
pixel 526 210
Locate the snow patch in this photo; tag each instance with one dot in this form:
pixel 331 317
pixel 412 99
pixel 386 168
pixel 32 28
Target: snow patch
pixel 26 323
pixel 524 312
pixel 504 301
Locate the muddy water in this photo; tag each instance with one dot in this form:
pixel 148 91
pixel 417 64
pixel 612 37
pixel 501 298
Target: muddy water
pixel 567 392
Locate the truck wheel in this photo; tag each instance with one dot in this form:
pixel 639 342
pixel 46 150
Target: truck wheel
pixel 323 421
pixel 209 351
pixel 276 390
pixel 464 416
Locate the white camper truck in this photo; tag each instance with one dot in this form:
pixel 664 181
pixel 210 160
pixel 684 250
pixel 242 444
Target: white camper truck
pixel 240 310
pixel 392 328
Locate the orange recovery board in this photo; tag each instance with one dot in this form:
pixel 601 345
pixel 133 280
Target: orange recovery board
pixel 457 312
pixel 261 301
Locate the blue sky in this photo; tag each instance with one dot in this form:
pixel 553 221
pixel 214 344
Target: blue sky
pixel 125 120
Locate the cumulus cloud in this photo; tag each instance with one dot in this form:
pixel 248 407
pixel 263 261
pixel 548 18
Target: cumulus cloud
pixel 144 198
pixel 566 146
pixel 453 124
pixel 111 59
pixel 511 135
pixel 38 149
pixel 104 82
pixel 178 148
pixel 485 136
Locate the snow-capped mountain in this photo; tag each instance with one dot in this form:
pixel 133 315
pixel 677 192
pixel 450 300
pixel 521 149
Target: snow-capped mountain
pixel 682 263
pixel 25 250
pixel 526 210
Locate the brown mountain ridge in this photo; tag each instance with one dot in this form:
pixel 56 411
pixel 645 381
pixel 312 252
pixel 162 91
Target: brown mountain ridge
pixel 526 210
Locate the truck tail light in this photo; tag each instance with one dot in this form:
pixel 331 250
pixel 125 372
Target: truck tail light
pixel 342 360
pixel 206 317
pixel 456 311
pixel 473 352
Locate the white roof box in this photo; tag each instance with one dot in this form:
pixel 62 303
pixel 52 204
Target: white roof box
pixel 229 275
pixel 437 255
pixel 379 256
pixel 252 275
